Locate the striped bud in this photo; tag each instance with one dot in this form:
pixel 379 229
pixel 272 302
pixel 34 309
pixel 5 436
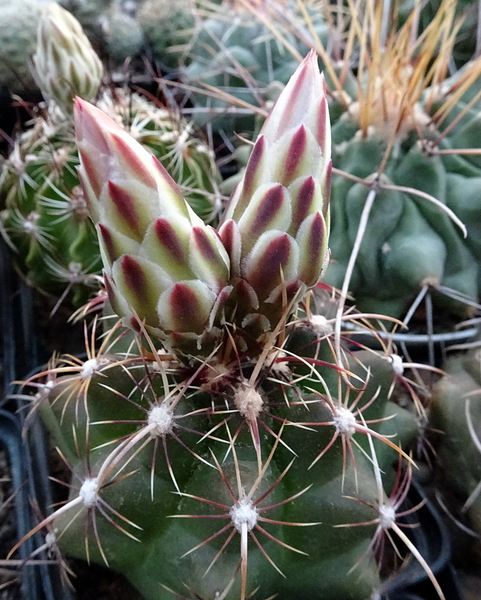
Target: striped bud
pixel 66 65
pixel 276 226
pixel 163 266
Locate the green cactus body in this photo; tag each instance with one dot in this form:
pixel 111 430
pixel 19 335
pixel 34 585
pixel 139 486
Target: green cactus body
pixel 121 33
pixel 18 29
pixel 410 243
pixel 237 54
pixel 456 411
pixel 219 445
pixel 165 26
pixel 195 486
pixel 46 219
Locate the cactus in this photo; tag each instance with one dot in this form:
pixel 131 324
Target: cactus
pixel 218 447
pixel 18 27
pixel 467 42
pixel 121 32
pixel 406 164
pixel 455 414
pixel 45 220
pixel 237 57
pixel 165 25
pixel 405 193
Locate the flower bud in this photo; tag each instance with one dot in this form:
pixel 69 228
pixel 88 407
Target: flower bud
pixel 163 266
pixel 276 226
pixel 66 65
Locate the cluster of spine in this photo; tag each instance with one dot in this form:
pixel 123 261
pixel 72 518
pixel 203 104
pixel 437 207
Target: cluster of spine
pixel 467 12
pixel 220 448
pixel 45 218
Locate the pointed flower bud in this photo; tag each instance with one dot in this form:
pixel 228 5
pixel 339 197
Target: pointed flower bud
pixel 277 222
pixel 66 65
pixel 163 266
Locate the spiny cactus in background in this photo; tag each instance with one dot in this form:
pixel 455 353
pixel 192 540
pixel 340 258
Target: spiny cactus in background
pixel 456 414
pixel 120 31
pixel 397 206
pixel 166 26
pixel 45 219
pixel 18 28
pixel 218 448
pixel 467 42
pixel 407 169
pixel 236 61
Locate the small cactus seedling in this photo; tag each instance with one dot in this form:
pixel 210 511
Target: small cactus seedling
pixel 217 446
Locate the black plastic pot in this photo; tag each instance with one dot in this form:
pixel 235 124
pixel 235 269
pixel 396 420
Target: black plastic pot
pixel 28 468
pixel 428 348
pixel 26 457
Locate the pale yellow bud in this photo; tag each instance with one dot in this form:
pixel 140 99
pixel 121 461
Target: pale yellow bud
pixel 65 63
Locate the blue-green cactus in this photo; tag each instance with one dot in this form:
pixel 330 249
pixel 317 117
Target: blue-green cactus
pixel 234 53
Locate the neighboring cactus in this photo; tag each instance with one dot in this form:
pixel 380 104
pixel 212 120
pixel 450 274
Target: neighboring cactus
pixel 18 29
pixel 407 169
pixel 45 219
pixel 456 414
pixel 166 26
pixel 467 39
pixel 236 56
pixel 236 462
pixel 401 195
pixel 121 32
